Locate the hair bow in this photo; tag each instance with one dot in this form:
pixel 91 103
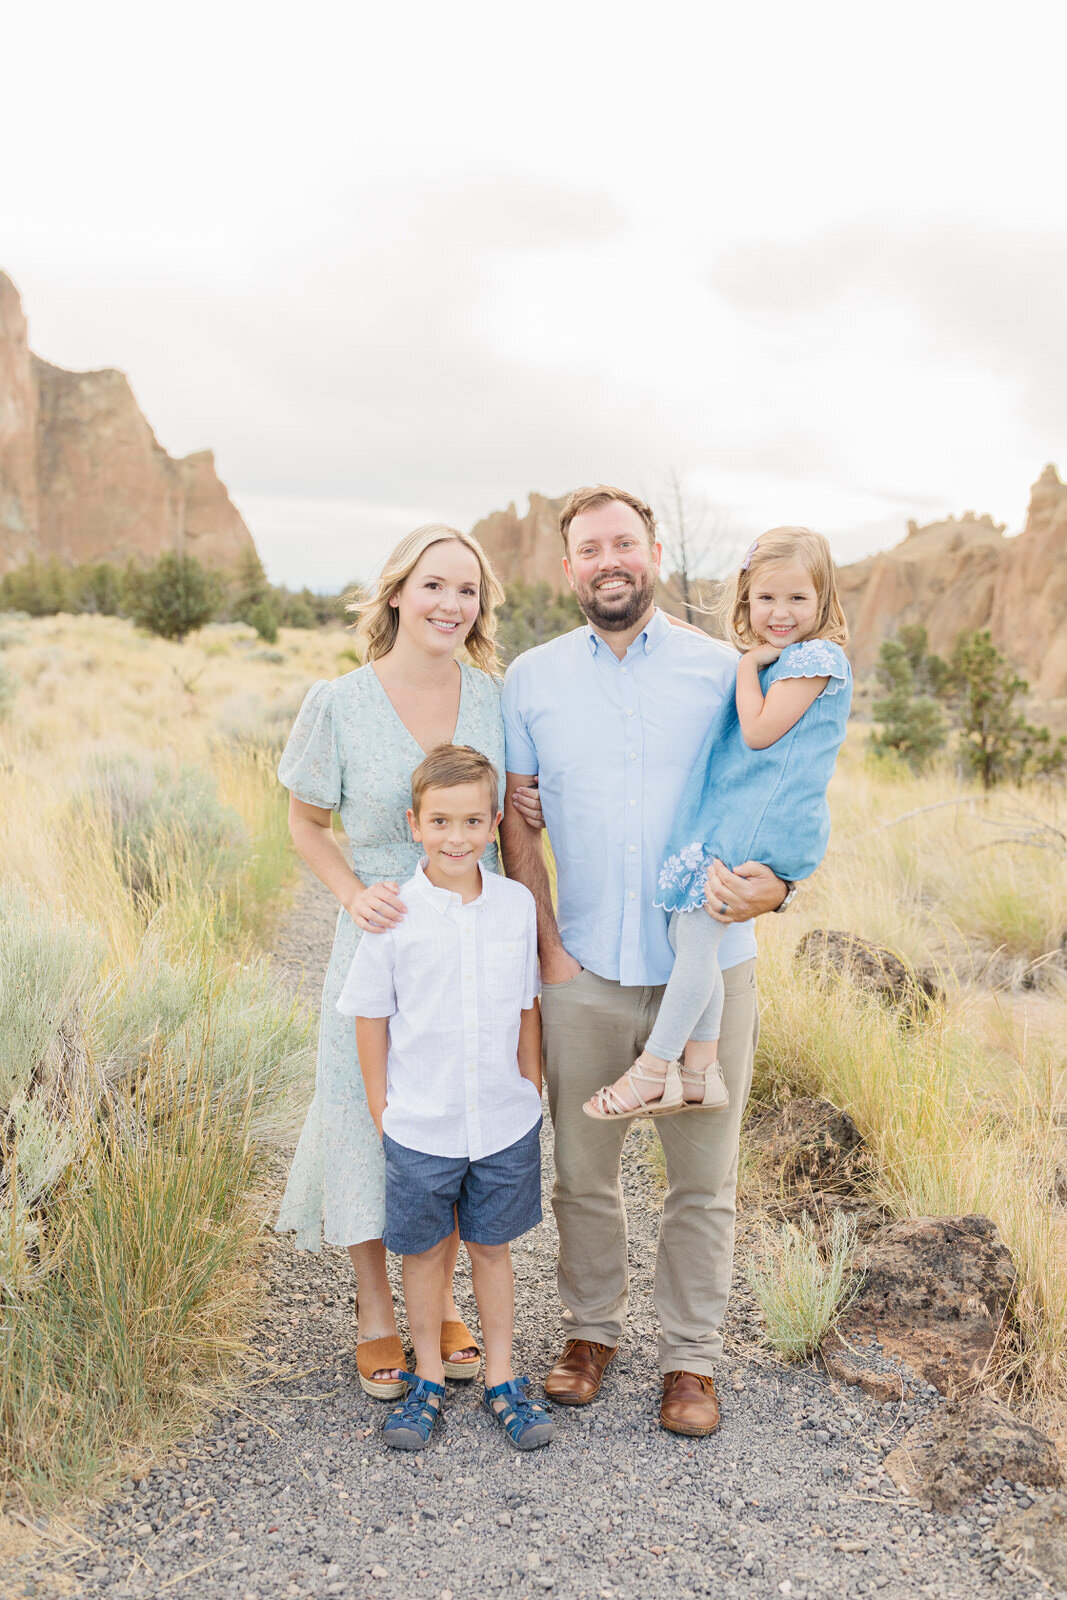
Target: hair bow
pixel 747 562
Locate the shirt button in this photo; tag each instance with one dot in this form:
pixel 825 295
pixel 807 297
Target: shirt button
pixel 632 895
pixel 633 847
pixel 633 755
pixel 633 802
pixel 622 669
pixel 629 712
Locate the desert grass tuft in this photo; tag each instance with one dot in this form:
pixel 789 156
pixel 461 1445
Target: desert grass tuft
pixel 799 1289
pixel 142 1295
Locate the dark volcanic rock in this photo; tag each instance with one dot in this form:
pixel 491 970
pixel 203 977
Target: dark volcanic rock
pixel 809 1143
pixel 935 1295
pixel 869 966
pixel 961 1450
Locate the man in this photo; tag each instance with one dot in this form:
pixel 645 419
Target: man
pixel 610 719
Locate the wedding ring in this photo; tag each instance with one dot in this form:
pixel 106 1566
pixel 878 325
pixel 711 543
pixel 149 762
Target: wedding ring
pixel 723 909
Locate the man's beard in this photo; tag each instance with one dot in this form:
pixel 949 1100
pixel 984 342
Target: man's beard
pixel 629 605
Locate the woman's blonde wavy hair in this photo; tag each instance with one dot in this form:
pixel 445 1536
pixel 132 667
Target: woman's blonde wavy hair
pixel 784 544
pixel 378 622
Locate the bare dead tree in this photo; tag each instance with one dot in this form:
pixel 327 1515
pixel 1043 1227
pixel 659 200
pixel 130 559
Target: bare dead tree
pixel 695 539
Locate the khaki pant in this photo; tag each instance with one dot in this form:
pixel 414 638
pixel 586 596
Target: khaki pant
pixel 593 1029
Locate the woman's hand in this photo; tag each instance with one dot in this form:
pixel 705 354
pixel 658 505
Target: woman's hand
pixel 376 907
pixel 764 654
pixel 527 802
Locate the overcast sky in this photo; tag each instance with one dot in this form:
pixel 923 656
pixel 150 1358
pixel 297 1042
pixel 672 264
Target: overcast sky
pixel 395 263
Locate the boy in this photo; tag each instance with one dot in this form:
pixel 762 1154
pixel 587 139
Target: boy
pixel 449 1043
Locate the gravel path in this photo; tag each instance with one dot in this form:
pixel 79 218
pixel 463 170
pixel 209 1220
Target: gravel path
pixel 291 1493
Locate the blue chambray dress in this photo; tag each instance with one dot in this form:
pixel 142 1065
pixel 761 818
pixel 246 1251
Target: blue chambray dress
pixel 761 805
pixel 349 752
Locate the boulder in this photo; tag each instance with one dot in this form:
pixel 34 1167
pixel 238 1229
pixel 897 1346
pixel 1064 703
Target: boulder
pixel 869 966
pixel 1038 1536
pixel 808 1144
pixel 935 1295
pixel 958 1452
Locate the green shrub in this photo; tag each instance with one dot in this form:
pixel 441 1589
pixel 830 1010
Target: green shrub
pixel 167 824
pixel 175 597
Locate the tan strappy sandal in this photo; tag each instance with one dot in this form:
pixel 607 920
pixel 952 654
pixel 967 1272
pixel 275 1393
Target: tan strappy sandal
pixel 716 1095
pixel 380 1355
pixel 607 1106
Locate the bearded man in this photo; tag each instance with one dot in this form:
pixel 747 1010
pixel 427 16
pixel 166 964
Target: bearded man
pixel 610 719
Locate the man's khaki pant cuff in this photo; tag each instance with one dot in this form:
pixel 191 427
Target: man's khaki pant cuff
pixel 594 1335
pixel 698 1364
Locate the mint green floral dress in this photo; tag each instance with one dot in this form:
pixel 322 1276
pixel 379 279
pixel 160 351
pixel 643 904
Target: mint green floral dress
pixel 349 752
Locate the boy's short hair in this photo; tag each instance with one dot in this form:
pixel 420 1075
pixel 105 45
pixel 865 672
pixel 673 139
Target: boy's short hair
pixel 449 765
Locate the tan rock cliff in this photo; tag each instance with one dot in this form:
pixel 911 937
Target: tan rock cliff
pixel 84 478
pixel 962 574
pixel 525 549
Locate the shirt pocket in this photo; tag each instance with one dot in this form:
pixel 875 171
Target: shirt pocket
pixel 505 972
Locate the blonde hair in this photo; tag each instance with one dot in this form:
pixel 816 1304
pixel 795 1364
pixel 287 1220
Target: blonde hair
pixel 449 765
pixel 602 494
pixel 784 544
pixel 378 622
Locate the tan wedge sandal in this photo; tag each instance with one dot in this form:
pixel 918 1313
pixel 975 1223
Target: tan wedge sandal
pixel 607 1106
pixel 457 1336
pixel 716 1095
pixel 380 1355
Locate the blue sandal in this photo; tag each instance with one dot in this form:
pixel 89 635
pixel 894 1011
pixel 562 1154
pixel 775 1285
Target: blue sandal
pixel 526 1424
pixel 410 1424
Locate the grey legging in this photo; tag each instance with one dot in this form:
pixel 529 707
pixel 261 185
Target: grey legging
pixel 691 1007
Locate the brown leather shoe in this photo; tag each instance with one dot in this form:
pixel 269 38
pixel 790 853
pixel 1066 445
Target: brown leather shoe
pixel 577 1375
pixel 689 1404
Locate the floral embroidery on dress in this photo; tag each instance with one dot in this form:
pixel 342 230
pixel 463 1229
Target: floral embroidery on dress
pixel 814 658
pixel 682 877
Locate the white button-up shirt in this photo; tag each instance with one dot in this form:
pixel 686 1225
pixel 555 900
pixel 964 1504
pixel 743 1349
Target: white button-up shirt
pixel 612 743
pixel 453 979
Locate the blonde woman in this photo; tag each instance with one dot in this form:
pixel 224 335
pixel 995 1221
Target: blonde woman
pixel 353 748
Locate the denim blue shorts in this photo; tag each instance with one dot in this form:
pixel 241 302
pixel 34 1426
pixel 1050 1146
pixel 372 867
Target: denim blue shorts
pixel 495 1199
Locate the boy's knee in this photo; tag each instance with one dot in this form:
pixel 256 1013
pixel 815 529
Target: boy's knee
pixel 489 1253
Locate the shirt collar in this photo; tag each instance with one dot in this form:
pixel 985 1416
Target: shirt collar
pixel 442 899
pixel 654 634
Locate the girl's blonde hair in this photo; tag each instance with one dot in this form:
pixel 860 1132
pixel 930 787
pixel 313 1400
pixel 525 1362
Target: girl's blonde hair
pixel 784 544
pixel 378 622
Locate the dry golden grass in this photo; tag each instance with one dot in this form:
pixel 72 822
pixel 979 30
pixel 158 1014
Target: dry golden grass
pixel 965 1109
pixel 144 1058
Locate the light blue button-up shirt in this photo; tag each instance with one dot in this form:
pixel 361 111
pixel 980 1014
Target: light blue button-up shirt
pixel 612 743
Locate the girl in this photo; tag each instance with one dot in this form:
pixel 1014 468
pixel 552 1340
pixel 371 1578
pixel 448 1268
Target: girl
pixel 756 793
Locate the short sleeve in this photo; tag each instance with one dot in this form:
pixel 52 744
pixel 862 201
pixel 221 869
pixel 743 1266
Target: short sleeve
pixel 310 767
pixel 814 658
pixel 369 990
pixel 520 754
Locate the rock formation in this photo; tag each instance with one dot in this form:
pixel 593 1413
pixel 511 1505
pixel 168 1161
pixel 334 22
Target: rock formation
pixel 525 549
pixel 84 478
pixel 962 574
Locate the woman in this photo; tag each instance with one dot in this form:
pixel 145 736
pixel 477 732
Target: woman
pixel 353 748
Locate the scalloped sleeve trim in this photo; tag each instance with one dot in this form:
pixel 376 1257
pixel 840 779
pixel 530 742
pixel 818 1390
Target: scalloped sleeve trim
pixel 815 658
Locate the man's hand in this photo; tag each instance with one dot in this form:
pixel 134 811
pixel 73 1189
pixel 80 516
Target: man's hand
pixel 559 967
pixel 739 896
